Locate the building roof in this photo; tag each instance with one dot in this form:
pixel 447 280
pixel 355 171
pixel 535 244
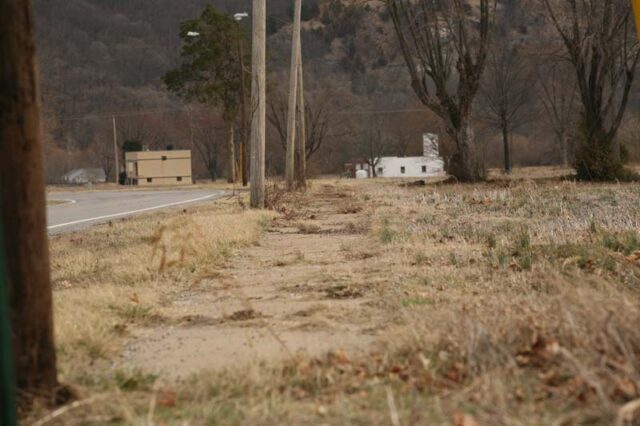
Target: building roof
pixel 153 155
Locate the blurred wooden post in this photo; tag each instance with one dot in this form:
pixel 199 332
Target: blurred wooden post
pixel 258 103
pixel 8 414
pixel 22 197
pixel 293 84
pixel 636 12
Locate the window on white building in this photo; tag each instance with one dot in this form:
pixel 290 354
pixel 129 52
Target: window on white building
pixel 402 170
pixel 424 169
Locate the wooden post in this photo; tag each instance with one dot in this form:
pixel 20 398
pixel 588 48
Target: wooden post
pixel 115 151
pixel 244 124
pixel 22 197
pixel 258 103
pixel 302 137
pixel 231 153
pixel 8 414
pixel 293 82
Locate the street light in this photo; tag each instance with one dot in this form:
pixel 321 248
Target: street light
pixel 240 16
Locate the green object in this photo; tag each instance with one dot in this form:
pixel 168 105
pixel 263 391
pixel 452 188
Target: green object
pixel 8 414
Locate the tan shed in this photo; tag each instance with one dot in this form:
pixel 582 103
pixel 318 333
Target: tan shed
pixel 152 168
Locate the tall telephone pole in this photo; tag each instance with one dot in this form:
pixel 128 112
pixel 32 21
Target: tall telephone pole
pixel 301 167
pixel 258 103
pixel 293 83
pixel 243 90
pixel 243 144
pixel 115 151
pixel 22 189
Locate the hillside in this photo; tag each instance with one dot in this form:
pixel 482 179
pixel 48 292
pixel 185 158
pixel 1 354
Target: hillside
pixel 98 57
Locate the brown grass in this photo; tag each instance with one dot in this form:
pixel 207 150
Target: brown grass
pixel 120 275
pixel 514 302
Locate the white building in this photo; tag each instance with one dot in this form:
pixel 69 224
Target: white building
pixel 430 164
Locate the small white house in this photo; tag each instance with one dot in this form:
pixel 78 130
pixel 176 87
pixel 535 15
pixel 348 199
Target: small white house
pixel 82 176
pixel 430 164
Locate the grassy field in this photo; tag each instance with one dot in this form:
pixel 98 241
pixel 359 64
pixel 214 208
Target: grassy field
pixel 513 302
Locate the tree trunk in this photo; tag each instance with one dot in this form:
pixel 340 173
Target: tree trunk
pixel 301 151
pixel 293 86
pixel 565 148
pixel 596 157
pixel 465 164
pixel 231 152
pixel 507 149
pixel 258 103
pixel 22 191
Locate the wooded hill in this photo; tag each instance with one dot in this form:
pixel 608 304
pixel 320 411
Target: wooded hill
pixel 99 57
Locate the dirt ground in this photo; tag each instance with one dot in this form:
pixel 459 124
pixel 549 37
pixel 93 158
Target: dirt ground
pixel 292 293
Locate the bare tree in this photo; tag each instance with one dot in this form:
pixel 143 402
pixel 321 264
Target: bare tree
pixel 558 95
pixel 321 118
pixel 372 141
pixel 103 154
pixel 207 145
pixel 602 48
pixel 22 188
pixel 444 44
pixel 508 88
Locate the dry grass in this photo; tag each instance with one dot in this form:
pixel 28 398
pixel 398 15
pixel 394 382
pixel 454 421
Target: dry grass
pixel 509 303
pixel 116 276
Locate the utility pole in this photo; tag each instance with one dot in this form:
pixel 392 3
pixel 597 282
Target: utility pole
pixel 243 89
pixel 22 189
pixel 115 151
pixel 258 103
pixel 244 124
pixel 302 137
pixel 231 153
pixel 293 81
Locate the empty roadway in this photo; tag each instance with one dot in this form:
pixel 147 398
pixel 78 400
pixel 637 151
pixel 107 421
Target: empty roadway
pixel 74 211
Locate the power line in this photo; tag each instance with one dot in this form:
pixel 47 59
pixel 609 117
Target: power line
pixel 126 114
pixel 382 111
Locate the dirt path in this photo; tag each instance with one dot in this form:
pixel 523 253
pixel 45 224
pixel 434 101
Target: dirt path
pixel 294 292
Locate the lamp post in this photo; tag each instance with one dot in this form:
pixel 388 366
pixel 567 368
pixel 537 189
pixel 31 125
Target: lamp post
pixel 243 160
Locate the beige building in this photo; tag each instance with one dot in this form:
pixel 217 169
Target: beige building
pixel 151 168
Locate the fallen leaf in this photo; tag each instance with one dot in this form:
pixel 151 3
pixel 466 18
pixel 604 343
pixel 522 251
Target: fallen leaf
pixel 167 398
pixel 626 388
pixel 464 419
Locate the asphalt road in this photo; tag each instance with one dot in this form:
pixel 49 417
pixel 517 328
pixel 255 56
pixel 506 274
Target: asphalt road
pixel 75 211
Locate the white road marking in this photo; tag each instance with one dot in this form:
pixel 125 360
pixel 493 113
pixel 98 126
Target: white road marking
pixel 63 201
pixel 111 216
